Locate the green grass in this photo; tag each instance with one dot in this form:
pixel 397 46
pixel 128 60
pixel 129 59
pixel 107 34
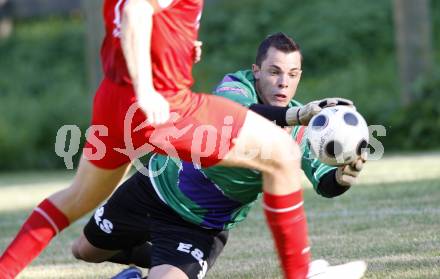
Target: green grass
pixel 391 220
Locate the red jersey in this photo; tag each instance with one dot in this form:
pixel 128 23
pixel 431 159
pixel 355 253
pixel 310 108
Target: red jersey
pixel 175 28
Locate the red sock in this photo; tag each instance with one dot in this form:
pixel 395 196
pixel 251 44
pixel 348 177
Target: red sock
pixel 42 225
pixel 287 221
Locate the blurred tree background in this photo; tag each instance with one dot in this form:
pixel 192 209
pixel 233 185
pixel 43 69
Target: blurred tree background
pixel 349 49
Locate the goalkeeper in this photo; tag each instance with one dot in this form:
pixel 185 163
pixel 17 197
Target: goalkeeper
pixel 176 222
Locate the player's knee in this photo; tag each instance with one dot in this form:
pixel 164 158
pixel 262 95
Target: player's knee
pixel 80 253
pixel 76 251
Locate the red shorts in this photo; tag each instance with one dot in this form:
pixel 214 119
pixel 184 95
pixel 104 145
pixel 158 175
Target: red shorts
pixel 201 130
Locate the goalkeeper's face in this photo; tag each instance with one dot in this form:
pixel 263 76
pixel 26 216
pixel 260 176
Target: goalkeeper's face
pixel 278 76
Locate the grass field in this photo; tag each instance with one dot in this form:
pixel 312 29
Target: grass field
pixel 391 220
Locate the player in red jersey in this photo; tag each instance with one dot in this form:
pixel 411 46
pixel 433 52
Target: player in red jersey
pixel 147 57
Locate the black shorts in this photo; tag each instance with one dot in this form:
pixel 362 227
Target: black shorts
pixel 135 214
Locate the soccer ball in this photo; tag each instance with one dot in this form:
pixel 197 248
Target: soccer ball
pixel 337 135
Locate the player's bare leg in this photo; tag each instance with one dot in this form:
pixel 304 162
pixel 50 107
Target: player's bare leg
pixel 282 196
pixel 82 249
pixel 166 271
pixel 139 255
pixel 277 156
pixel 90 186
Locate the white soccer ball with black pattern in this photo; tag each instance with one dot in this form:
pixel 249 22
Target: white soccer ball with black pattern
pixel 337 135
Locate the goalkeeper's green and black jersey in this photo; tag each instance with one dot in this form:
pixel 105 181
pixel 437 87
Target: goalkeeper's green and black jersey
pixel 220 197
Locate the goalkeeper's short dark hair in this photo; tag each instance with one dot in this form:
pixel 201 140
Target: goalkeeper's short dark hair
pixel 279 41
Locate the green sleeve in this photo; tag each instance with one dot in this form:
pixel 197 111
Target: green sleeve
pixel 237 92
pixel 314 170
pixel 312 167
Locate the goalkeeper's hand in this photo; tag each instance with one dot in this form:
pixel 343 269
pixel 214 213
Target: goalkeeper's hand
pixel 302 115
pixel 347 175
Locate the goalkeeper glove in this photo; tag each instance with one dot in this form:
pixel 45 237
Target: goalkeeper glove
pixel 302 115
pixel 347 175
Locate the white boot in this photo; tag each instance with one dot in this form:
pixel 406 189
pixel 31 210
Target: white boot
pixel 321 269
